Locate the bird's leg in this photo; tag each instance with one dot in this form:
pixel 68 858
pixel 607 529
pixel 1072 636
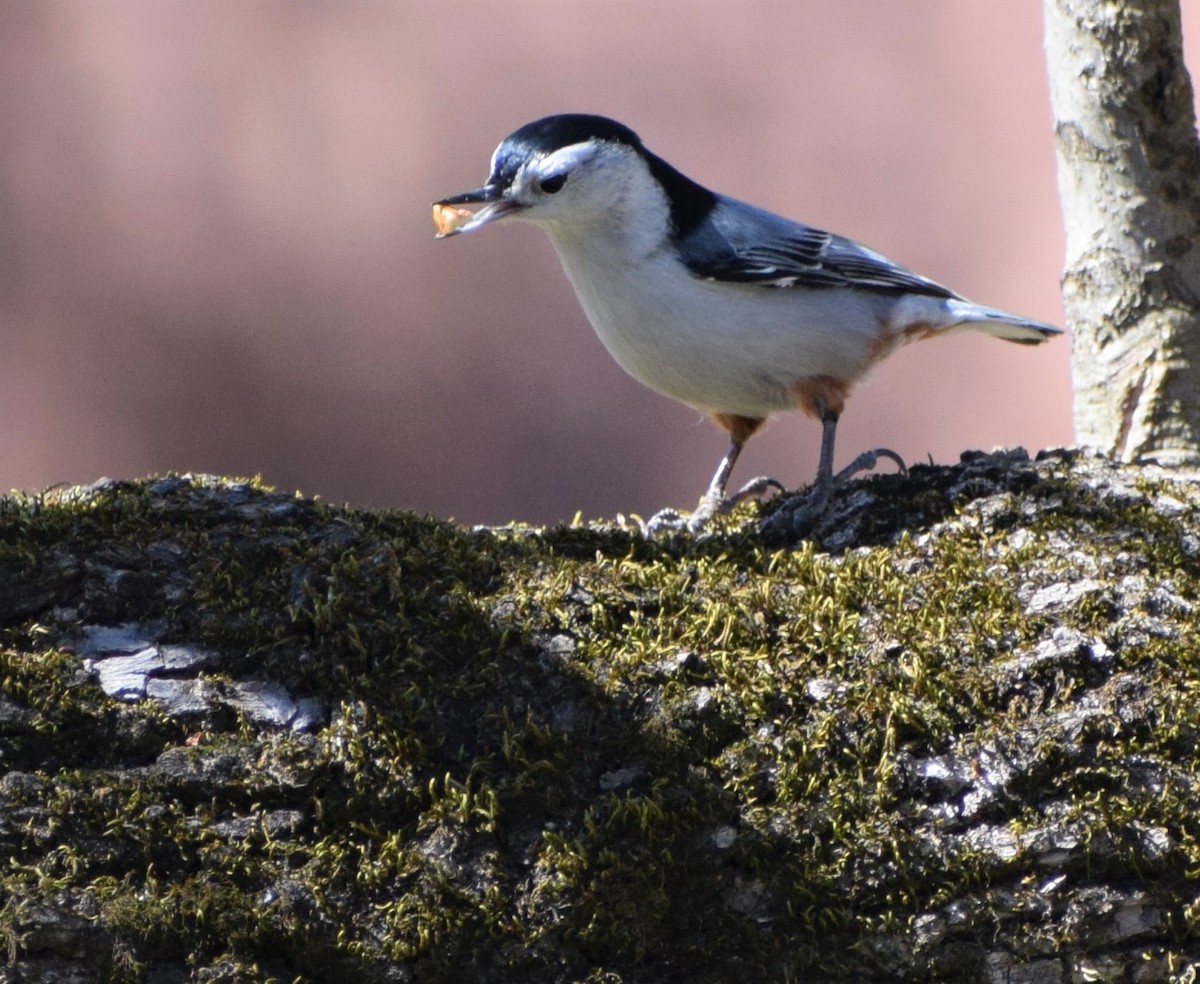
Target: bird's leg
pixel 712 503
pixel 864 462
pixel 715 501
pixel 802 510
pixel 828 434
pixel 814 500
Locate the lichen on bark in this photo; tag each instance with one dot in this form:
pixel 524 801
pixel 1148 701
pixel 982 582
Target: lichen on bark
pixel 951 736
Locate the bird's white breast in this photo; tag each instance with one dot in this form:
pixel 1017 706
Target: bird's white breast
pixel 720 347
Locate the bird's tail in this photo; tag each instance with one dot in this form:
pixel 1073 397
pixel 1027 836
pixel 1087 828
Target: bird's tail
pixel 1011 327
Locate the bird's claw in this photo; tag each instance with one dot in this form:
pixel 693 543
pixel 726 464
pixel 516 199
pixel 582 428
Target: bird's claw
pixel 673 521
pixel 712 504
pixel 801 512
pixel 867 462
pixel 664 521
pixel 752 490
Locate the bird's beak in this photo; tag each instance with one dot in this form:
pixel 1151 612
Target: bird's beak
pixel 451 219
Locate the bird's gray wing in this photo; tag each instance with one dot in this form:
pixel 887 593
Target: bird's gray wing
pixel 739 243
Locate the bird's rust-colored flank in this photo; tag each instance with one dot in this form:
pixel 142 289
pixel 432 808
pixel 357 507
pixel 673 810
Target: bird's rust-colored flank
pixel 919 331
pixel 821 395
pixel 739 429
pixel 891 337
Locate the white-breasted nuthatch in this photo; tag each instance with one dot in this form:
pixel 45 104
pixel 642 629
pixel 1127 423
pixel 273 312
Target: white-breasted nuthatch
pixel 726 307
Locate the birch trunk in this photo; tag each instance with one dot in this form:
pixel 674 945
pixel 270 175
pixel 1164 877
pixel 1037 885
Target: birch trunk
pixel 1129 182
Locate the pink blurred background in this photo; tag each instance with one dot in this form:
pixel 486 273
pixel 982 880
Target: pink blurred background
pixel 216 251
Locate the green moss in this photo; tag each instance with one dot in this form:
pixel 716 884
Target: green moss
pixel 557 755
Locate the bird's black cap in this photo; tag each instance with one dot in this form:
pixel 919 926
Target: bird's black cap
pixel 690 202
pixel 538 139
pixel 552 133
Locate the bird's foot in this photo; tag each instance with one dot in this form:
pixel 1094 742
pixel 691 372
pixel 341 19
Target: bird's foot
pixel 867 462
pixel 801 512
pixel 712 504
pixel 753 489
pixel 664 521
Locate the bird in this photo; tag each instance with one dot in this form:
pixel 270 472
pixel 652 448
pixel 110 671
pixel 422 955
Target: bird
pixel 713 302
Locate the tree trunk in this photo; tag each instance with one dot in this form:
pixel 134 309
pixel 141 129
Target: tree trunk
pixel 1129 181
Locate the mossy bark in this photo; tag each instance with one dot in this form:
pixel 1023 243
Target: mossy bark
pixel 248 736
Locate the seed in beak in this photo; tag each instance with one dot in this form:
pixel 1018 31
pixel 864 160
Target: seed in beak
pixel 449 219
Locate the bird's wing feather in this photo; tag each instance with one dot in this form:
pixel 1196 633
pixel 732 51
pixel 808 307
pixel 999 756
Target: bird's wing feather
pixel 739 243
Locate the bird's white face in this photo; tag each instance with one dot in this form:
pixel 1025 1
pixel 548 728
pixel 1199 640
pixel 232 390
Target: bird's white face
pixel 574 185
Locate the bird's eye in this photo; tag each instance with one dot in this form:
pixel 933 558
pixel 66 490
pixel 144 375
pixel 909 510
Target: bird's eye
pixel 553 184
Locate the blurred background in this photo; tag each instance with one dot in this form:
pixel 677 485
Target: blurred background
pixel 216 251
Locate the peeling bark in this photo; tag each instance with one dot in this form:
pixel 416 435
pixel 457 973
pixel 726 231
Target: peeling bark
pixel 1129 182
